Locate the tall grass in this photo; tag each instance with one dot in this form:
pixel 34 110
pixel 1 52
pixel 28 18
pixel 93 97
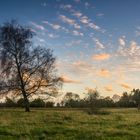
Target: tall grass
pixel 59 124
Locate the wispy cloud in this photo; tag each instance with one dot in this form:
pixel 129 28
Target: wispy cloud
pixel 77 14
pixel 67 79
pixel 104 73
pixel 122 41
pixel 125 85
pixel 38 26
pixel 76 33
pixel 101 57
pixel 108 88
pixel 69 21
pixel 54 26
pixel 99 45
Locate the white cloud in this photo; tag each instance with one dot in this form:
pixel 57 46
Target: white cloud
pixel 67 20
pixel 122 41
pixel 84 20
pixel 99 45
pixel 54 26
pixel 77 14
pixel 94 26
pixel 40 27
pixel 76 33
pixel 71 22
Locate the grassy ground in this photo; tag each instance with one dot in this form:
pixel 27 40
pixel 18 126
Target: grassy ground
pixel 48 124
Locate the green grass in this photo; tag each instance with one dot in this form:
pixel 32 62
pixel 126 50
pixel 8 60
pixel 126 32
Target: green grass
pixel 73 124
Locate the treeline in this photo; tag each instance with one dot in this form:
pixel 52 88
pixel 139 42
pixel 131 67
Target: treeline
pixel 20 103
pixel 92 99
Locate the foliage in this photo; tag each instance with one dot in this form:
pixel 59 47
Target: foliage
pixel 37 103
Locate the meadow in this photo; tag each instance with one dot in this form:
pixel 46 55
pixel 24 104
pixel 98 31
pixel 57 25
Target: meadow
pixel 69 124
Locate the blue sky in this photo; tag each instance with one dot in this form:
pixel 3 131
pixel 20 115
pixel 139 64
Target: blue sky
pixel 96 42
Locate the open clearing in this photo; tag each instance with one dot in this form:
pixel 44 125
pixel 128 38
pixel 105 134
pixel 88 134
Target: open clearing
pixel 69 124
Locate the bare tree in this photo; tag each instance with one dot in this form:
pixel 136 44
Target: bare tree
pixel 25 69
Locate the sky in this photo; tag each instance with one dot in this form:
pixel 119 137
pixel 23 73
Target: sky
pixel 96 42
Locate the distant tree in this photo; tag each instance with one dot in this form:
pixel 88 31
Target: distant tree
pixel 70 99
pixel 10 102
pixel 93 101
pixel 68 96
pixel 136 97
pixel 92 96
pixel 49 104
pixel 25 69
pixel 37 103
pixel 20 102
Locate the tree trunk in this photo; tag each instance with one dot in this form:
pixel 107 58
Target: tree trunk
pixel 26 103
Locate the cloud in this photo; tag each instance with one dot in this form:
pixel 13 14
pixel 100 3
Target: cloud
pixel 40 27
pixel 104 73
pixel 131 51
pixel 85 20
pixel 82 67
pixel 52 35
pixel 124 85
pixel 69 21
pixel 77 14
pixel 76 33
pixel 94 26
pixel 122 41
pixel 101 57
pixel 67 6
pixel 99 45
pixel 108 88
pixel 54 26
pixel 87 4
pixel 73 43
pixel 88 22
pixel 67 79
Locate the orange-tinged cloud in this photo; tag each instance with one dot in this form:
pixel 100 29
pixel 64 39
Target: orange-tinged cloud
pixel 67 79
pixel 104 73
pixel 101 57
pixel 90 89
pixel 108 88
pixel 124 85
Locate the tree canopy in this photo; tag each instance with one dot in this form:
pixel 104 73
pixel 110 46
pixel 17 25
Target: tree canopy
pixel 25 69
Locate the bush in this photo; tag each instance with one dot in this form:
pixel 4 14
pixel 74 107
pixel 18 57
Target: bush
pixel 37 103
pixel 49 104
pixel 10 103
pixel 20 102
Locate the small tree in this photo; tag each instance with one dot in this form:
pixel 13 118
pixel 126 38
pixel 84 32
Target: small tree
pixel 136 97
pixel 25 69
pixel 92 101
pixel 37 103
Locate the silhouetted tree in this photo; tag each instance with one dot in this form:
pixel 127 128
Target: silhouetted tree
pixel 25 69
pixel 136 97
pixel 37 103
pixel 70 99
pixel 93 102
pixel 49 104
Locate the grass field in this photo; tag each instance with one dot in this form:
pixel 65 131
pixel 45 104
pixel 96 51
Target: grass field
pixel 74 124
